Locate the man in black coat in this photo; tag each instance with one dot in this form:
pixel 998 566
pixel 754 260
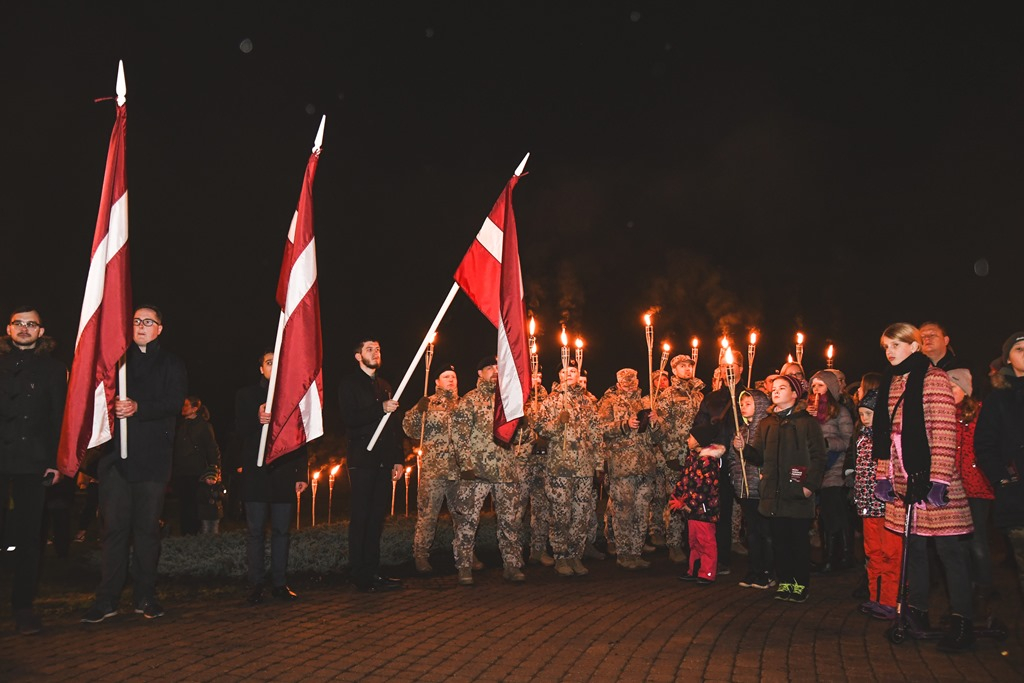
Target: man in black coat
pixel 365 398
pixel 132 488
pixel 271 487
pixel 32 390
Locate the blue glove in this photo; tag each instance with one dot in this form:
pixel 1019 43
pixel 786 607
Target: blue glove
pixel 939 495
pixel 883 491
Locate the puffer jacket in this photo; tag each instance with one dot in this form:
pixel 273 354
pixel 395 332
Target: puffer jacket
pixel 747 431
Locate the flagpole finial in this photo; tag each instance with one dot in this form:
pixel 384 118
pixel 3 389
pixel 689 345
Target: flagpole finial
pixel 121 88
pixel 319 135
pixel 522 164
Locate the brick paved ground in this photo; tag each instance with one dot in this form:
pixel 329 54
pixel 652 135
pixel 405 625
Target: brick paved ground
pixel 610 625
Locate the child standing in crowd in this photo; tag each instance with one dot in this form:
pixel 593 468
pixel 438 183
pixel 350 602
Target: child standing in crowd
pixel 837 426
pixel 882 548
pixel 977 487
pixel 753 408
pixel 696 495
pixel 211 507
pixel 790 448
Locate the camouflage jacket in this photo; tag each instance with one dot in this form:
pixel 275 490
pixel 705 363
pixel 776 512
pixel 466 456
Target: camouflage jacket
pixel 572 446
pixel 677 407
pixel 438 460
pixel 473 425
pixel 529 446
pixel 629 452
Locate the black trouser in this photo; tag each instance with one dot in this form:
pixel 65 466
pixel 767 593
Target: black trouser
pixel 24 526
pixel 130 513
pixel 954 552
pixel 792 548
pixel 92 503
pixel 371 491
pixel 834 510
pixel 280 523
pixel 723 532
pixel 759 537
pixel 186 488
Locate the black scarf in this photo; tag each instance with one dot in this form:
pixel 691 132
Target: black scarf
pixel 914 439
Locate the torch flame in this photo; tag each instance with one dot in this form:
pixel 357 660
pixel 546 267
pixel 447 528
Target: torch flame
pixel 799 337
pixel 408 470
pixel 565 337
pixel 433 336
pixel 334 470
pixel 725 342
pixel 533 348
pixel 695 343
pixel 728 356
pixel 579 343
pixel 647 319
pixel 753 338
pixel 665 347
pixel 316 475
pixel 829 352
pixel 789 358
pixel 533 326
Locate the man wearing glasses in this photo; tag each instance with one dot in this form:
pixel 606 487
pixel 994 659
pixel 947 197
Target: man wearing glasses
pixel 132 488
pixel 32 389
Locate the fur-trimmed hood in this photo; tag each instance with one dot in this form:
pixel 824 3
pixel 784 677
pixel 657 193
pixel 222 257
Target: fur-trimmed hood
pixel 44 345
pixel 800 405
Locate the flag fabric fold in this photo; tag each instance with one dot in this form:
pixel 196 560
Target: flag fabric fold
pixel 491 275
pixel 103 329
pixel 297 405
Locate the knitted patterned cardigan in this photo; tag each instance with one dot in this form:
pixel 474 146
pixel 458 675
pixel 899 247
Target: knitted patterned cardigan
pixel 954 518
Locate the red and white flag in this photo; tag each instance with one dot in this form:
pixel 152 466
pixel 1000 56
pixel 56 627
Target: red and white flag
pixel 491 276
pixel 103 329
pixel 298 392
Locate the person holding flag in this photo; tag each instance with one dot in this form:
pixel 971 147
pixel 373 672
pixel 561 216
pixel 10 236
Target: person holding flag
pixel 132 487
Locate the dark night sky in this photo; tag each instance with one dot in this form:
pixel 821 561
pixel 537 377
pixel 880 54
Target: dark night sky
pixel 826 169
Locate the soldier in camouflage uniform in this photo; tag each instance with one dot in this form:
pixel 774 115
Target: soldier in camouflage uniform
pixel 591 552
pixel 631 436
pixel 487 467
pixel 438 466
pixel 678 406
pixel 568 420
pixel 536 450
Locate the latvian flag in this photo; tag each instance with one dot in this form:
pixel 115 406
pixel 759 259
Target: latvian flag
pixel 297 406
pixel 103 329
pixel 491 276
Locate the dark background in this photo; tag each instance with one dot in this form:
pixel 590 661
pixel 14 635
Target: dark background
pixel 827 168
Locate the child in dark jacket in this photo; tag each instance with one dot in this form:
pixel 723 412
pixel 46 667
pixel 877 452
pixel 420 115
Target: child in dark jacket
pixel 696 495
pixel 790 448
pixel 211 508
pixel 753 408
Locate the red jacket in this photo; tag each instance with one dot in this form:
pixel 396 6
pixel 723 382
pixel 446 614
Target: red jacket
pixel 975 482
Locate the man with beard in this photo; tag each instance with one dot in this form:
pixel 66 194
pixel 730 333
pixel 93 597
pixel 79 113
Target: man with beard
pixel 32 389
pixel 365 397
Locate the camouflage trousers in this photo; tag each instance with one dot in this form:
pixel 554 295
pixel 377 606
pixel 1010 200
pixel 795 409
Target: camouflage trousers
pixel 571 509
pixel 540 510
pixel 632 496
pixel 609 514
pixel 662 519
pixel 509 510
pixel 429 498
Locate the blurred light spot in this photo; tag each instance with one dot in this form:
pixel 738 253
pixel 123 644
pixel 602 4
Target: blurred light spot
pixel 981 267
pixel 10 548
pixel 310 109
pixel 629 224
pixel 245 46
pixel 634 17
pixel 668 46
pixel 429 33
pixel 341 96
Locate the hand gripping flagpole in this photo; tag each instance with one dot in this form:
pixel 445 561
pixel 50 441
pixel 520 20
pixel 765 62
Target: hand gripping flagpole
pixel 426 340
pixel 121 88
pixel 317 144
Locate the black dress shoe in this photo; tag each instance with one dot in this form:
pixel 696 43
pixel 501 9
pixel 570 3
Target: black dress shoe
pixel 686 577
pixel 256 597
pixel 284 593
pixel 386 581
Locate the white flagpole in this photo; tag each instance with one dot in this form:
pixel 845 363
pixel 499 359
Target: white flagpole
pixel 264 433
pixel 121 88
pixel 415 361
pixel 426 340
